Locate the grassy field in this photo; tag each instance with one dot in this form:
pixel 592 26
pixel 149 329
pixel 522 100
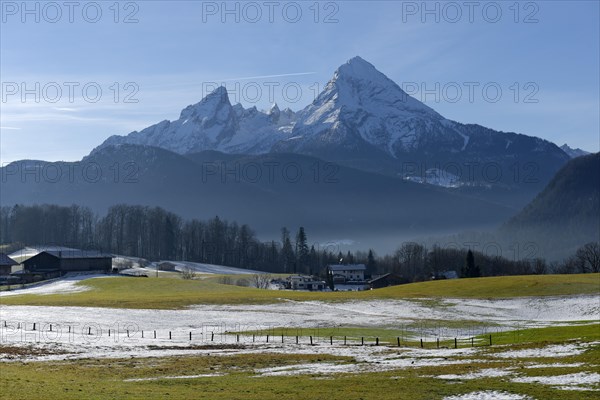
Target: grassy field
pixel 387 336
pixel 236 377
pixel 172 293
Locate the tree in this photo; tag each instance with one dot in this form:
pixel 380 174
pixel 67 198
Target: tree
pixel 302 252
pixel 188 273
pixel 411 258
pixel 287 252
pixel 313 260
pixel 349 259
pixel 329 279
pixel 261 281
pixel 588 257
pixel 539 266
pixel 371 263
pixel 471 270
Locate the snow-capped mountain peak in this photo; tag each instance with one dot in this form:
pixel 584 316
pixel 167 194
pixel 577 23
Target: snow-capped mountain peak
pixel 360 104
pixel 214 101
pixel 360 114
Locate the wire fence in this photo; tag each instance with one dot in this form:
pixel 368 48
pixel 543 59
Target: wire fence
pixel 214 334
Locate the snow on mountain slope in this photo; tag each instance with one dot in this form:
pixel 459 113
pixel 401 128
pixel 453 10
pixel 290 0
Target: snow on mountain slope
pixel 362 101
pixel 361 119
pixel 359 104
pixel 214 124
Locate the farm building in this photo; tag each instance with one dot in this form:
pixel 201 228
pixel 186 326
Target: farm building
pixel 386 280
pixel 6 264
pixel 166 266
pixel 57 261
pixel 302 282
pixel 347 273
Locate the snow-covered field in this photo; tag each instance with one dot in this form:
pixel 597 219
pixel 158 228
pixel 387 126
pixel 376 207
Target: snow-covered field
pixel 66 284
pixel 86 332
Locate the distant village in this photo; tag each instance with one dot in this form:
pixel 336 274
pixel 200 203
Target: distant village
pixel 35 264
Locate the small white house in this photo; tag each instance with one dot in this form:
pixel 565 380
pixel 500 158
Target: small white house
pixel 347 273
pixel 304 282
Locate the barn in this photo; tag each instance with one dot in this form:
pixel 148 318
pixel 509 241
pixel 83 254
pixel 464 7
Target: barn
pixel 59 261
pixel 387 280
pixel 6 264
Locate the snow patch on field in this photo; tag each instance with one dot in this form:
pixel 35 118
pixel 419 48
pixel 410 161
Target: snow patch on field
pixel 160 378
pixel 578 381
pixel 305 369
pixel 484 373
pixel 555 365
pixel 488 395
pixel 67 284
pixel 559 350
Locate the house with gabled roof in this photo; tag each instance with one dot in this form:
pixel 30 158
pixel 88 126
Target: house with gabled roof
pixel 6 264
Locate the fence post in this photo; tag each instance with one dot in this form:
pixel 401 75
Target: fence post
pixel 455 343
pixel 142 334
pixel 344 340
pixel 311 341
pixel 282 338
pixel 362 341
pixel 169 335
pixel 238 337
pixel 267 338
pixel 472 341
pixel 331 340
pixel 212 336
pixel 438 343
pixel 190 335
pixel 34 326
pixel 296 339
pixel 50 327
pixel 89 330
pixel 253 338
pixel 490 340
pixel 108 332
pixel 421 343
pixel 127 332
pixel 398 340
pixel 154 334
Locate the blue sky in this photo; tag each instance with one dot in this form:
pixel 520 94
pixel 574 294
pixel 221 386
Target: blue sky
pixel 543 56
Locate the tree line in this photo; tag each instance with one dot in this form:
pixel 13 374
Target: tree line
pixel 154 234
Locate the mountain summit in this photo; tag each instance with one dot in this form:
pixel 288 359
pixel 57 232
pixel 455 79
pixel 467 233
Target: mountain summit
pixel 361 107
pixel 361 119
pixel 214 124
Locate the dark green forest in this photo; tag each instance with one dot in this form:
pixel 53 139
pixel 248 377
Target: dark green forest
pixel 154 234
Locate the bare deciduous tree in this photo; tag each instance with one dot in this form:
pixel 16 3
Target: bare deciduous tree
pixel 242 282
pixel 225 280
pixel 588 257
pixel 539 266
pixel 188 273
pixel 261 281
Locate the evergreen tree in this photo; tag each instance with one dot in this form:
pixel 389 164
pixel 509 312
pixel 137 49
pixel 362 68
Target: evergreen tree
pixel 470 270
pixel 302 252
pixel 287 252
pixel 313 260
pixel 371 264
pixel 349 258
